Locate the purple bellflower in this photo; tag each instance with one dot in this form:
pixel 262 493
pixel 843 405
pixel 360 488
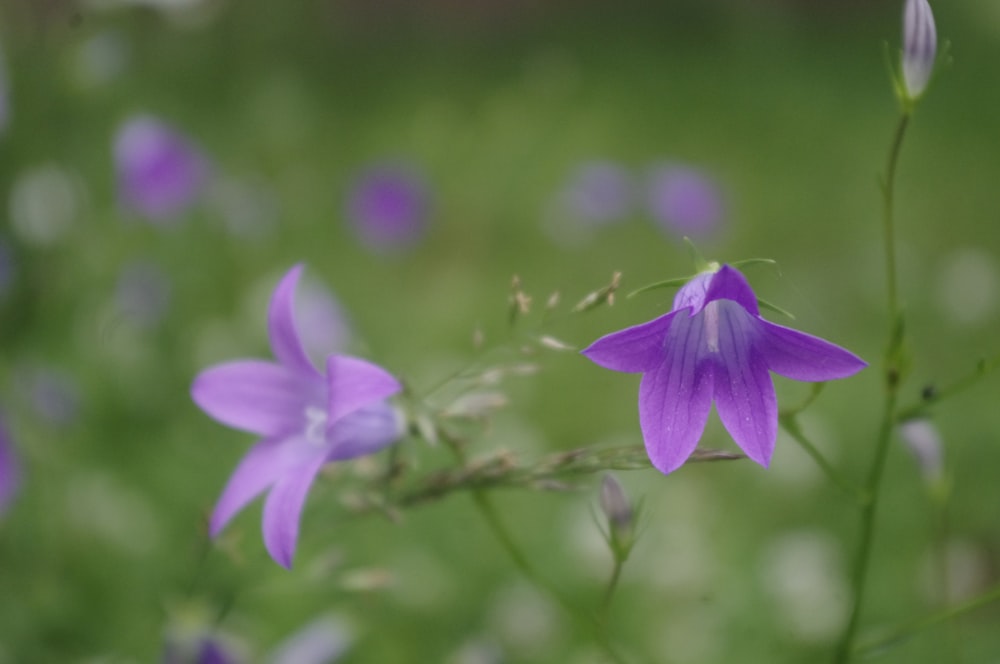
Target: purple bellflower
pixel 919 46
pixel 714 346
pixel 160 173
pixel 388 207
pixel 10 470
pixel 305 418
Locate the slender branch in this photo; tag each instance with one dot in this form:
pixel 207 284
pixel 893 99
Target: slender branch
pixel 609 590
pixel 893 374
pixel 868 513
pixel 983 368
pixel 554 472
pixel 588 622
pixel 909 629
pixel 888 224
pixel 792 428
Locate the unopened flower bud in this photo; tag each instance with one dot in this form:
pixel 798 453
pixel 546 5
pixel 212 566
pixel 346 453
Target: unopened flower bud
pixel 919 46
pixel 621 518
pixel 615 504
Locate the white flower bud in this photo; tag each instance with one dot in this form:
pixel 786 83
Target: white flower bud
pixel 919 46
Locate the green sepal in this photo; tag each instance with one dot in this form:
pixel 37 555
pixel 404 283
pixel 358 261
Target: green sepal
pixel 764 304
pixel 677 282
pixel 750 262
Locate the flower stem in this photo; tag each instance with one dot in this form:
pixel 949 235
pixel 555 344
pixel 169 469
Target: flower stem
pixel 485 506
pixel 909 629
pixel 888 224
pixel 792 428
pixel 868 512
pixel 609 590
pixel 587 622
pixel 983 368
pixel 892 366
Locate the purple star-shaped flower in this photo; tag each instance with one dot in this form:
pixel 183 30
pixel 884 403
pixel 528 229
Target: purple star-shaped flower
pixel 714 346
pixel 305 418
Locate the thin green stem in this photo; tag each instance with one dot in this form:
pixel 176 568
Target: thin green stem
pixel 892 367
pixel 510 547
pixel 911 628
pixel 983 368
pixel 792 428
pixel 868 513
pixel 589 624
pixel 888 224
pixel 609 590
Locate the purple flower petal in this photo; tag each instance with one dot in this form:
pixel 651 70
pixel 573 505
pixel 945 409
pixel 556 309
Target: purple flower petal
pixel 363 432
pixel 262 466
pixel 261 397
pixel 730 284
pixel 801 356
pixel 285 342
pixel 354 383
pixel 744 392
pixel 676 397
pixel 283 510
pixel 634 349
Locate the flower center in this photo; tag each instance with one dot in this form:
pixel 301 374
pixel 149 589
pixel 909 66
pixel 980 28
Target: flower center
pixel 315 425
pixel 712 326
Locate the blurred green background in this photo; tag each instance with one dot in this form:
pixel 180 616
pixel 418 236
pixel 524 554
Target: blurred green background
pixel 787 104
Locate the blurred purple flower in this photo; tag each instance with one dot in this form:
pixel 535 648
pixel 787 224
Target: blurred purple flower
pixel 160 172
pixel 306 419
pixel 919 46
pixel 143 293
pixel 685 201
pixel 714 346
pixel 205 649
pixel 10 469
pixel 388 206
pixel 598 193
pixel 320 642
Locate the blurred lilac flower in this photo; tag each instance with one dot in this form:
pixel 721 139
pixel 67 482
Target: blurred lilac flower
pixel 320 642
pixel 685 201
pixel 597 193
pixel 388 206
pixel 143 293
pixel 10 469
pixel 714 346
pixel 924 442
pixel 306 419
pixel 919 46
pixel 160 172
